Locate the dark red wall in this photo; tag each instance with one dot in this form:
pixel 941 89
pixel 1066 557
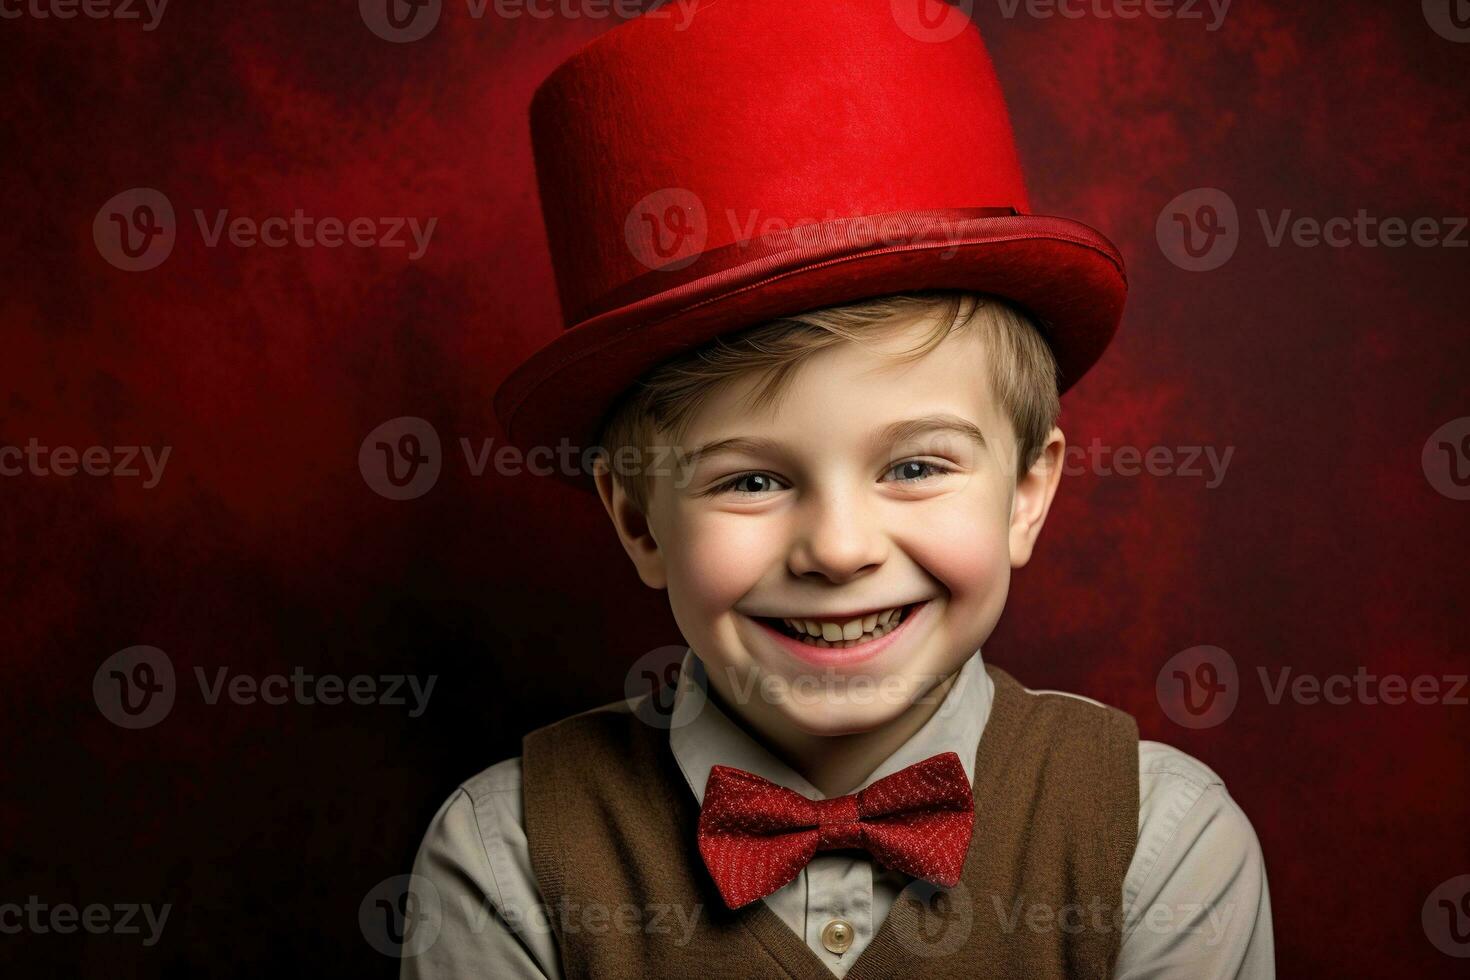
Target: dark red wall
pixel 1326 548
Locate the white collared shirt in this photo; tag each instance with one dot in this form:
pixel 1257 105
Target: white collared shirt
pixel 1195 897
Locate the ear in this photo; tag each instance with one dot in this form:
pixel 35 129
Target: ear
pixel 1032 499
pixel 632 526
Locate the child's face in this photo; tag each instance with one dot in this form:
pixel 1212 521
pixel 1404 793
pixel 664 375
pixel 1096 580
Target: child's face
pixel 821 515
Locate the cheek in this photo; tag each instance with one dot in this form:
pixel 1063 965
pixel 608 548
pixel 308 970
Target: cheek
pixel 716 560
pixel 968 551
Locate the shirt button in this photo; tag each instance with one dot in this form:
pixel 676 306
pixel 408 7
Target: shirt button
pixel 837 936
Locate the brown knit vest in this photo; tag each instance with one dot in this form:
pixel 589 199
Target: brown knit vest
pixel 611 821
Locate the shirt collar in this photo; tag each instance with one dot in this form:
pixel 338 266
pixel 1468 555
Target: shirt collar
pixel 702 735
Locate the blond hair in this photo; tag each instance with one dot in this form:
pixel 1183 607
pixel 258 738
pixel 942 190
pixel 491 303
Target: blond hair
pixel 1023 370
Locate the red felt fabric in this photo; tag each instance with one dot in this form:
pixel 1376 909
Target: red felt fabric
pixel 671 204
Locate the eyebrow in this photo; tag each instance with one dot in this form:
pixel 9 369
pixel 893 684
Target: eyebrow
pixel 891 433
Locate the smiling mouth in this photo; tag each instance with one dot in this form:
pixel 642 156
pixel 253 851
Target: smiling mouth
pixel 836 635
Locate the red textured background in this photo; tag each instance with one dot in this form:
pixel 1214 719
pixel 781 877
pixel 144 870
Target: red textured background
pixel 1325 548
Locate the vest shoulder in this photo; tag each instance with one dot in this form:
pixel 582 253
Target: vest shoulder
pixel 1076 706
pixel 506 775
pixel 617 722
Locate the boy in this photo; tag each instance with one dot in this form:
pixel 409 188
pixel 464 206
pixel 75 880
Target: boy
pixel 862 407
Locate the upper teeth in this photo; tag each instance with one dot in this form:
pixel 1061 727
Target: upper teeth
pixel 851 629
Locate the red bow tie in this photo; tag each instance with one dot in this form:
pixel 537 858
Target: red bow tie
pixel 756 836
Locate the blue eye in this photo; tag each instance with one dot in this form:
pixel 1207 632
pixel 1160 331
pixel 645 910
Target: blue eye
pixel 733 484
pixel 917 470
pixel 756 483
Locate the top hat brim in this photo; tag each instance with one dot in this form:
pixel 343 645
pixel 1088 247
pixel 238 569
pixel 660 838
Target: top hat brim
pixel 1066 276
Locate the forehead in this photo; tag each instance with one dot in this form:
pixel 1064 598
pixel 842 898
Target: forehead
pixel 857 386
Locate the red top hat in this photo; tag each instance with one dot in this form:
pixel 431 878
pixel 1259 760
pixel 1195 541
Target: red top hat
pixel 765 157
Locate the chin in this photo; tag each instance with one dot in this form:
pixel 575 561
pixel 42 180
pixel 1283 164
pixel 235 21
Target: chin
pixel 832 715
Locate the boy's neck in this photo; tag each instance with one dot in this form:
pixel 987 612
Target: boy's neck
pixel 836 764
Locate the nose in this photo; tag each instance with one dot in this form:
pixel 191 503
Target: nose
pixel 838 538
